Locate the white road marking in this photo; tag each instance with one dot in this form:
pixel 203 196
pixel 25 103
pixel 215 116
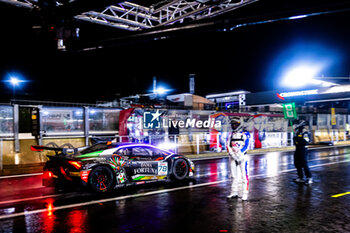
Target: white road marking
pixel 145 194
pixel 32 198
pixel 22 175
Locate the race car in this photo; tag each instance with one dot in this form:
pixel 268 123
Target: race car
pixel 105 166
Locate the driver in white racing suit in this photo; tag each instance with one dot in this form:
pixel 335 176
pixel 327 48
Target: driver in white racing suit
pixel 237 145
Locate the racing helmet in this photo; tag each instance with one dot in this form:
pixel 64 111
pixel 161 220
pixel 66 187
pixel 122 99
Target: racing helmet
pixel 236 124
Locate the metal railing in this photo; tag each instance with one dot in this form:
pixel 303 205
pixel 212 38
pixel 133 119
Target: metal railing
pixel 195 143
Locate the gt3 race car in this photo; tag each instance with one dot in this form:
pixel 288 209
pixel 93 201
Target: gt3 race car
pixel 105 166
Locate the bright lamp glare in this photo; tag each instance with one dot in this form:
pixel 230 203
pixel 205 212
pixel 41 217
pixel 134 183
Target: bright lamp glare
pixel 14 81
pixel 161 90
pixel 300 76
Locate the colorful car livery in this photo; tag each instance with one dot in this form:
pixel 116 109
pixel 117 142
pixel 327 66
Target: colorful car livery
pixel 106 166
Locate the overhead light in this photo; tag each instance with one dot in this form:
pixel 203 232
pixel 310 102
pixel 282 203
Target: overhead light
pixel 300 76
pixel 161 90
pixel 14 81
pixel 298 17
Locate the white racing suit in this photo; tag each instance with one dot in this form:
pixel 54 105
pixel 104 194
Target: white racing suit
pixel 237 146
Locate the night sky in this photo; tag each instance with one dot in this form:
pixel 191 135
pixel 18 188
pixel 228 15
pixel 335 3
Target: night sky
pixel 252 58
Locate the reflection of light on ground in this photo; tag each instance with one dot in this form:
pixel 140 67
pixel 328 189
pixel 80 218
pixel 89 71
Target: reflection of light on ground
pixel 197 170
pixel 242 213
pixel 49 208
pixel 272 167
pixel 161 210
pixel 9 210
pixel 76 220
pixel 43 222
pixel 285 159
pixel 213 170
pixel 223 169
pixel 272 163
pixel 49 218
pixel 8 224
pixel 121 205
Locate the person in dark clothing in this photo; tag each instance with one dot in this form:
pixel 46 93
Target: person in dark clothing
pixel 301 140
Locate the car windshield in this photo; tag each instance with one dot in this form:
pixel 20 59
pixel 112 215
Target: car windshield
pixel 149 150
pixel 126 149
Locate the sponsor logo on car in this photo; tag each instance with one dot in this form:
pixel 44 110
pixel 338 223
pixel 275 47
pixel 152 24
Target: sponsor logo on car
pixel 145 168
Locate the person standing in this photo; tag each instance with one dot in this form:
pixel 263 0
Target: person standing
pixel 238 142
pixel 301 140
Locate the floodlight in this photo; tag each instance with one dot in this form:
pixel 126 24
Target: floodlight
pixel 300 76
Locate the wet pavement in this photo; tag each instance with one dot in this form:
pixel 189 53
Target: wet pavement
pixel 276 203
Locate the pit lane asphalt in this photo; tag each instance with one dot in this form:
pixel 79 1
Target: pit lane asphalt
pixel 276 204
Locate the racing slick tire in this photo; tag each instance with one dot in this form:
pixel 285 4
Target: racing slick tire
pixel 101 179
pixel 180 169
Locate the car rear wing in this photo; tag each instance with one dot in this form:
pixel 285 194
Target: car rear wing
pixel 57 150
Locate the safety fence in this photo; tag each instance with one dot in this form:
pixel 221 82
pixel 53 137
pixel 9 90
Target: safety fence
pixel 201 142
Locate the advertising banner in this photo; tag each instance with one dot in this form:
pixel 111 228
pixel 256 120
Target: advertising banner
pixel 289 111
pixel 333 117
pixel 265 129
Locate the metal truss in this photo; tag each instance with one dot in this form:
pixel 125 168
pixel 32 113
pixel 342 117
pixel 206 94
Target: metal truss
pixel 134 17
pixel 21 3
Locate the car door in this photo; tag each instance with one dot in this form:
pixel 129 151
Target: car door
pixel 147 165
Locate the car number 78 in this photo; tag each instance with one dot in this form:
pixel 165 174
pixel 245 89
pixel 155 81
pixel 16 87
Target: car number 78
pixel 162 168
